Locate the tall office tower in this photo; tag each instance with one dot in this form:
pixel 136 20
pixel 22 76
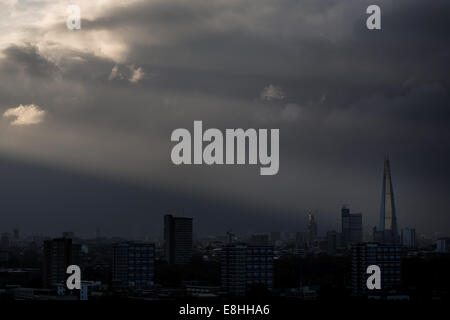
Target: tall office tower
pixel 133 265
pixel 311 230
pixel 351 226
pixel 409 237
pixel 244 265
pixel 386 256
pixel 388 232
pixel 58 255
pixel 177 239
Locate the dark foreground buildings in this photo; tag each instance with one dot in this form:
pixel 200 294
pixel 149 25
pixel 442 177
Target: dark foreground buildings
pixel 243 266
pixel 387 257
pixel 133 265
pixel 58 255
pixel 177 239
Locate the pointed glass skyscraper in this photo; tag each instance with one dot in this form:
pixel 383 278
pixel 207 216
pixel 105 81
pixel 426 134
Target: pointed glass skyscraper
pixel 388 217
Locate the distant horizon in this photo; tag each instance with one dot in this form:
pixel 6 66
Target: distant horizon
pixel 322 230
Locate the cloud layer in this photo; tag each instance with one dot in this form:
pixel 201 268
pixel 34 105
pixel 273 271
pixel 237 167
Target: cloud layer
pixel 341 95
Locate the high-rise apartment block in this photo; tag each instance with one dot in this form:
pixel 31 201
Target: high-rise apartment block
pixel 351 226
pixel 177 239
pixel 133 265
pixel 386 256
pixel 311 230
pixel 58 255
pixel 244 265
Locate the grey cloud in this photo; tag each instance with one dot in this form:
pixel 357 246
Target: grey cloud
pixel 28 58
pixel 386 91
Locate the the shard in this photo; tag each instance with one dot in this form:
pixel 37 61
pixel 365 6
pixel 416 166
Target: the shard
pixel 388 219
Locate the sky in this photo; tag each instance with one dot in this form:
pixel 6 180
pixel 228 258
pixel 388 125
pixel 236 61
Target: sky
pixel 86 115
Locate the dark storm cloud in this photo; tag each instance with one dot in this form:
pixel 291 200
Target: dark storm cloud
pixel 351 96
pixel 235 49
pixel 28 59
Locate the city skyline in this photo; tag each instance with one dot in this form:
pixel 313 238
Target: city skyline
pixel 231 266
pixel 225 158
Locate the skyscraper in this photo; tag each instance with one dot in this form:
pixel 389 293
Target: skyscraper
pixel 58 255
pixel 311 230
pixel 133 265
pixel 388 231
pixel 177 239
pixel 351 226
